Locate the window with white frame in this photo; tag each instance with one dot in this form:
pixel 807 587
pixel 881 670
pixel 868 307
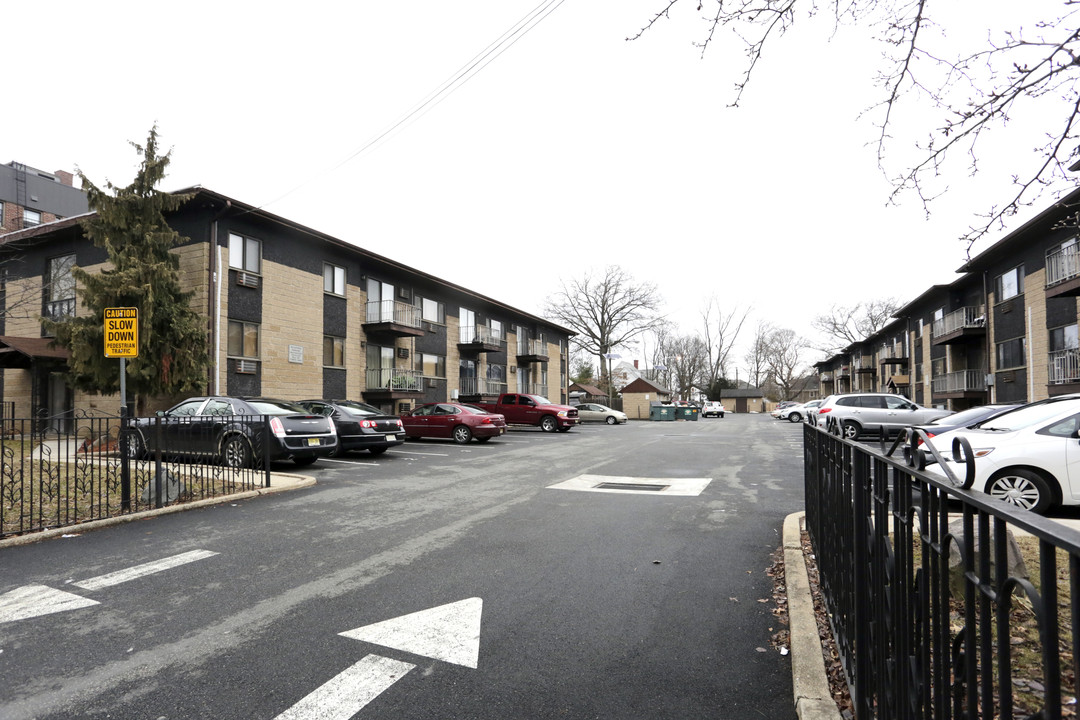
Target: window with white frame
pixel 243 339
pixel 1009 284
pixel 496 330
pixel 1064 338
pixel 431 310
pixel 245 253
pixel 333 351
pixel 333 279
pixel 31 217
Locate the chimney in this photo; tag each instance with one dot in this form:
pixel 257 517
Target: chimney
pixel 635 365
pixel 65 177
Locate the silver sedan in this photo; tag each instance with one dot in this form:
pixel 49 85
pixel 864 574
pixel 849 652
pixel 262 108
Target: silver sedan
pixel 594 412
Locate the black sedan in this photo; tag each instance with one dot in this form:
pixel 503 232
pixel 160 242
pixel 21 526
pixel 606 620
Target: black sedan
pixel 232 430
pixel 360 426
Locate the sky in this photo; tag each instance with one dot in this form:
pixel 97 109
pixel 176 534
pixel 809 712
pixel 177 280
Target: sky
pixel 563 152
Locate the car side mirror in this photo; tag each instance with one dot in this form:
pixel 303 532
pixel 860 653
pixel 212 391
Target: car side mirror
pixel 160 413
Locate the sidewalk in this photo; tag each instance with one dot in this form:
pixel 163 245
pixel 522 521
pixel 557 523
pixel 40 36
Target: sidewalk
pixel 279 482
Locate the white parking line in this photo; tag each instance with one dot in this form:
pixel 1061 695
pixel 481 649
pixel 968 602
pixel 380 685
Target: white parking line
pixel 349 462
pixel 120 576
pixel 405 452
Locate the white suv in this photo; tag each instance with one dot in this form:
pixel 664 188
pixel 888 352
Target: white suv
pixel 857 413
pixel 712 407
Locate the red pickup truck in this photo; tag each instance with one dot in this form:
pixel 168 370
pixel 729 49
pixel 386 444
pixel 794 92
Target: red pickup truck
pixel 537 410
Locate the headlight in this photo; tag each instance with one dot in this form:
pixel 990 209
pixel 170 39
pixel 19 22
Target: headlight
pixel 562 413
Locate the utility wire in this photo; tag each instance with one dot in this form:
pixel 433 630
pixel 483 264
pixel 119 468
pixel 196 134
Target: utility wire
pixel 465 73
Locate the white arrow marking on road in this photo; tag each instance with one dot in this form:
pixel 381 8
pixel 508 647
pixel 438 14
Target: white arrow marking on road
pixel 34 600
pixel 348 692
pixel 450 633
pixel 120 576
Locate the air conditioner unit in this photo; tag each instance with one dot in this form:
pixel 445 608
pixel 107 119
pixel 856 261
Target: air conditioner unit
pixel 247 279
pixel 429 326
pixel 247 367
pixel 403 352
pixel 454 394
pixel 432 382
pixel 403 293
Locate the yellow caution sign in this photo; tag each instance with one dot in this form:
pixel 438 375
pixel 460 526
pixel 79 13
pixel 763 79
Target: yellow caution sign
pixel 121 332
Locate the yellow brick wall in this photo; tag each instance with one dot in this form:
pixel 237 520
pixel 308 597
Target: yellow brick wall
pixel 292 314
pixel 1038 336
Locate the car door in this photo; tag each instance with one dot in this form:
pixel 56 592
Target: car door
pixel 442 420
pixel 1068 431
pixel 588 412
pixel 175 431
pixel 900 412
pixel 416 422
pixel 205 428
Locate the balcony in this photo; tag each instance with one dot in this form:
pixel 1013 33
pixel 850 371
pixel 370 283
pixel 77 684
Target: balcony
pixel 393 384
pixel 540 389
pixel 389 317
pixel 479 389
pixel 960 326
pixel 893 355
pixel 1063 272
pixel 1064 371
pixel 479 339
pixel 530 351
pixel 960 384
pixel 864 365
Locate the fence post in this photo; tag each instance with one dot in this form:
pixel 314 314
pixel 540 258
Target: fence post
pixel 266 451
pixel 125 460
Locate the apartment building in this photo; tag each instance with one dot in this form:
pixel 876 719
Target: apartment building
pixel 291 313
pixel 30 197
pixel 1005 331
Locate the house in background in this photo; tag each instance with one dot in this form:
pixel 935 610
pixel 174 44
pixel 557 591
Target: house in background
pixel 30 197
pixel 290 312
pixel 744 400
pixel 583 393
pixel 639 396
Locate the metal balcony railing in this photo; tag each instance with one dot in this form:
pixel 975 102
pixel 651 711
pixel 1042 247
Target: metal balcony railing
pixel 535 389
pixel 1062 264
pixel 531 347
pixel 1064 366
pixel 479 334
pixel 391 311
pixel 394 379
pixel 60 309
pixel 972 316
pixel 960 381
pixel 481 386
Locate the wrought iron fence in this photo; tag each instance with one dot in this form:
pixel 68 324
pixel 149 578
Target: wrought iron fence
pixel 916 638
pixel 105 466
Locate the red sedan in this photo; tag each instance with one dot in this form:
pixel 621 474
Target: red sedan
pixel 453 420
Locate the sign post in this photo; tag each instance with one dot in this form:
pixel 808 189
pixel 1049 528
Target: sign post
pixel 122 341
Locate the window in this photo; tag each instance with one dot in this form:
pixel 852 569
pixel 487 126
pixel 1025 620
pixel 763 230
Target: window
pixel 919 328
pixel 31 217
pixel 245 253
pixel 333 279
pixel 60 294
pixel 496 330
pixel 1012 353
pixel 1 214
pixel 243 339
pixel 431 310
pixel 1009 284
pixel 468 325
pixel 333 351
pixel 430 365
pixel 1064 338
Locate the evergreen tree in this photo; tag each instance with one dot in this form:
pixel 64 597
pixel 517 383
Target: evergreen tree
pixel 129 224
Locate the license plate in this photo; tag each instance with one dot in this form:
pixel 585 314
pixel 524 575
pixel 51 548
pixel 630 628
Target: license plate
pixel 393 437
pixel 313 441
pixel 502 430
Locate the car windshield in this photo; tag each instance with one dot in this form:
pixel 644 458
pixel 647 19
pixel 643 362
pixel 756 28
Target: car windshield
pixel 277 407
pixel 359 408
pixel 964 416
pixel 540 400
pixel 1030 415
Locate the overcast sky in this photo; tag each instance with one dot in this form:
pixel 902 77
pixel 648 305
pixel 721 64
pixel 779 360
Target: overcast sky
pixel 570 150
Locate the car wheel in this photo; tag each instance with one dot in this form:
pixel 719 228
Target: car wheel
pixel 611 420
pixel 462 435
pixel 721 416
pixel 377 451
pixel 794 417
pixel 548 424
pixel 236 452
pixel 852 430
pixel 302 461
pixel 1023 488
pixel 136 446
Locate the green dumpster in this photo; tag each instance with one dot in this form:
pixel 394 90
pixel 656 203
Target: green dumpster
pixel 661 412
pixel 687 412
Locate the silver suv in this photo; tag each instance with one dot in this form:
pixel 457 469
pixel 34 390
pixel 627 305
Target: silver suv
pixel 854 414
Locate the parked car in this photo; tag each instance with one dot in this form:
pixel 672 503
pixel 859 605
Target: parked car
pixel 460 422
pixel 231 429
pixel 1025 456
pixel 854 414
pixel 360 426
pixel 786 403
pixel 594 412
pixel 796 413
pixel 712 407
pixel 961 419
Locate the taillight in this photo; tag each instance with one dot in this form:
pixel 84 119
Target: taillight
pixel 367 424
pixel 400 424
pixel 822 411
pixel 486 421
pixel 276 427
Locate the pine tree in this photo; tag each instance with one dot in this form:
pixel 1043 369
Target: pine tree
pixel 129 224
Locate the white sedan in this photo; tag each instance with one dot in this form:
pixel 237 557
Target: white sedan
pixel 1029 457
pixel 594 412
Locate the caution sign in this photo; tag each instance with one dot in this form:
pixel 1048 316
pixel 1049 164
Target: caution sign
pixel 122 332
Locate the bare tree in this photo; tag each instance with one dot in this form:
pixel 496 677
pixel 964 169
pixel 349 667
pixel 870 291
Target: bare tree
pixel 686 361
pixel 973 85
pixel 607 312
pixel 784 360
pixel 720 333
pixel 847 324
pixel 756 357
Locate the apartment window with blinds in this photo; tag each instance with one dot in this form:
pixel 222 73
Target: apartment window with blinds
pixel 243 339
pixel 245 253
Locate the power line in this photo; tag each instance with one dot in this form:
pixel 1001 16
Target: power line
pixel 461 76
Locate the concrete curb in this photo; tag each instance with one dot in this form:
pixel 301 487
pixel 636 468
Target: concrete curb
pixel 813 699
pixel 279 482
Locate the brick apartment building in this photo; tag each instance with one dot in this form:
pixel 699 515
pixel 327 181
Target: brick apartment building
pixel 291 313
pixel 30 197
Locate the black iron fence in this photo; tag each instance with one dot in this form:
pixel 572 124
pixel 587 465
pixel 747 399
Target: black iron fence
pixel 933 614
pixel 94 467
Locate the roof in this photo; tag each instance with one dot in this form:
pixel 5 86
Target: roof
pixel 1046 220
pixel 641 385
pixel 19 352
pixel 747 393
pixel 590 389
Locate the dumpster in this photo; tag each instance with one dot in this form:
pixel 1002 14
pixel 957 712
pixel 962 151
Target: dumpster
pixel 661 412
pixel 687 412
